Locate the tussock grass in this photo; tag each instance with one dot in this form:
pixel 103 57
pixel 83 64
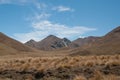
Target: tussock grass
pixel 105 67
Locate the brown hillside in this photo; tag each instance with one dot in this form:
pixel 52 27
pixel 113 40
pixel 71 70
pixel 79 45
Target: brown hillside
pixel 108 44
pixel 13 43
pixel 6 50
pixel 85 41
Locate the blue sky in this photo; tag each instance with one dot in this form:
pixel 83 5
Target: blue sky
pixel 35 19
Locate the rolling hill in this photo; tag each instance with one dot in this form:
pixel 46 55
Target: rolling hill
pixel 108 44
pixel 9 45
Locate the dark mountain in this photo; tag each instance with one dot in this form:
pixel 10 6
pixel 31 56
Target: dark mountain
pixel 65 42
pixel 31 43
pixel 51 42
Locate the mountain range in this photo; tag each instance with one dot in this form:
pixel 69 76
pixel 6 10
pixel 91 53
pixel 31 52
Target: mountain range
pixel 107 44
pixel 52 42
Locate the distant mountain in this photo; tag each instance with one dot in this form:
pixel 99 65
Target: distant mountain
pixel 85 41
pixel 108 44
pixel 48 43
pixel 10 45
pixel 51 42
pixel 31 43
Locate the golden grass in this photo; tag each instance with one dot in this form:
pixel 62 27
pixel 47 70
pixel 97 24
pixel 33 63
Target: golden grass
pixel 86 67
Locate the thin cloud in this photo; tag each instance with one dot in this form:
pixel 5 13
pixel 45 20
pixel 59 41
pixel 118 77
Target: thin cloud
pixel 38 17
pixel 62 9
pixel 45 28
pixel 42 27
pixel 35 3
pixel 37 8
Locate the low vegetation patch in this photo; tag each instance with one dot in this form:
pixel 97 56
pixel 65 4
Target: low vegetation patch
pixel 57 68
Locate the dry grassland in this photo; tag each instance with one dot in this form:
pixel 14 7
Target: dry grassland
pixel 61 68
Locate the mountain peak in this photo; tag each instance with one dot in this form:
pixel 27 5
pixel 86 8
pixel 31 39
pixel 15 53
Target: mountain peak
pixel 32 40
pixel 51 37
pixel 31 43
pixel 66 40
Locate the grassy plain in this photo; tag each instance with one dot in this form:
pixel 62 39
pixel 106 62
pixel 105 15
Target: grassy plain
pixel 104 67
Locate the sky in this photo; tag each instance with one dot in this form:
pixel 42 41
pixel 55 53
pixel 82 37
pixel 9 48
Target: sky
pixel 35 19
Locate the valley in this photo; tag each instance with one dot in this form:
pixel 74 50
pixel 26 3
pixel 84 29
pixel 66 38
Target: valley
pixel 53 58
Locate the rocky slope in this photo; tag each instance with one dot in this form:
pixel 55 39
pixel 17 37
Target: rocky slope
pixel 51 42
